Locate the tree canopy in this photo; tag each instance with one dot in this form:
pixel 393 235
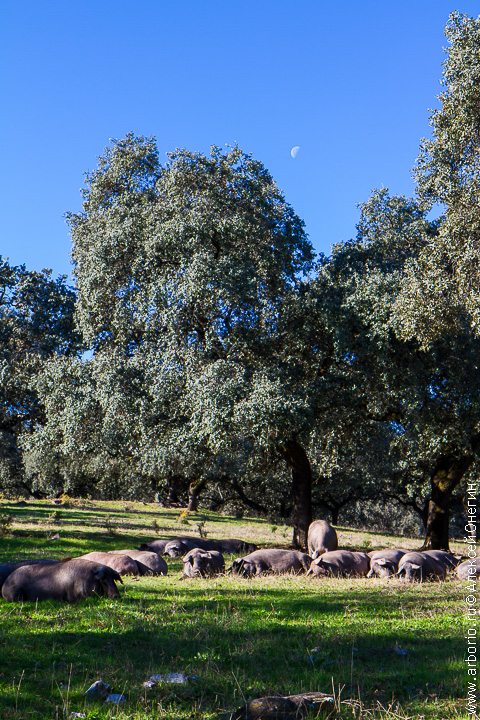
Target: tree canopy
pixel 444 279
pixel 36 323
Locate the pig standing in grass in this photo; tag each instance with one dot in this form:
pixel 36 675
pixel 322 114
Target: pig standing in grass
pixel 203 563
pixel 69 581
pixel 321 538
pixel 271 560
pixel 384 563
pixel 341 563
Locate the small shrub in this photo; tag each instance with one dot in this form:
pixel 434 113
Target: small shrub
pixel 273 528
pixel 5 524
pixel 183 518
pixel 155 526
pixel 66 500
pixel 201 529
pixel 70 502
pixel 110 525
pixel 55 517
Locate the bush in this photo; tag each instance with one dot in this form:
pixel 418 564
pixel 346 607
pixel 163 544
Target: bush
pixel 5 524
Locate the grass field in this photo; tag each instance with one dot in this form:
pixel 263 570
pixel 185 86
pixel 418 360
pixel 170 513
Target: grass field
pixel 239 638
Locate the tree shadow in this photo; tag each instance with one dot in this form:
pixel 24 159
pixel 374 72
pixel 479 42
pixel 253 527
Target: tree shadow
pixel 265 639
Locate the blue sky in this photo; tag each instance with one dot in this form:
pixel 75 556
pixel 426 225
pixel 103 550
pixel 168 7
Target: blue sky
pixel 349 81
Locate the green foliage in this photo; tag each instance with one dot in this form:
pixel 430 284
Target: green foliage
pixel 442 292
pixel 155 526
pixel 5 524
pixel 184 273
pixel 36 323
pixel 201 527
pixel 55 517
pixel 111 525
pixel 195 249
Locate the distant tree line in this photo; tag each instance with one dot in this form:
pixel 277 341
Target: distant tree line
pixel 207 352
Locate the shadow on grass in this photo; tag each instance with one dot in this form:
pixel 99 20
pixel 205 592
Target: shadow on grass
pixel 34 543
pixel 41 510
pixel 271 640
pixel 267 656
pixel 29 514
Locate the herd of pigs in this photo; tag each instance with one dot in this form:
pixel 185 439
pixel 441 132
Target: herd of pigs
pixel 98 572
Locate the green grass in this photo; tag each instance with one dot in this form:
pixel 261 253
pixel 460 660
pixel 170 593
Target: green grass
pixel 241 638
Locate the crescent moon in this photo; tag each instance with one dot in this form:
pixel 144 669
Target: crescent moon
pixel 294 151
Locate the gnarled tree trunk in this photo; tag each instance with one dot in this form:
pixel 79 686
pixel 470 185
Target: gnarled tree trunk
pixel 335 512
pixel 296 458
pixel 175 486
pixel 194 490
pixel 446 475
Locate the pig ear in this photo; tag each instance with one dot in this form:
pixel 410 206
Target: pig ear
pixel 104 573
pixel 414 566
pixel 381 561
pixel 239 564
pixel 208 555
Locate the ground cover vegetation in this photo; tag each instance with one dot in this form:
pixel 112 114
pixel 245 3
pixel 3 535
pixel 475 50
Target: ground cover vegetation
pixel 390 649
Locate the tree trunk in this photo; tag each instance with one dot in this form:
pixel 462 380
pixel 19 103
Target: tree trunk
pixel 446 475
pixel 296 458
pixel 285 508
pixel 37 494
pixel 194 490
pixel 245 499
pixel 424 513
pixel 174 487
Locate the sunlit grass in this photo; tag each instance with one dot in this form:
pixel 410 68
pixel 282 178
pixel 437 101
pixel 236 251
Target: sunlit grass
pixel 239 638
